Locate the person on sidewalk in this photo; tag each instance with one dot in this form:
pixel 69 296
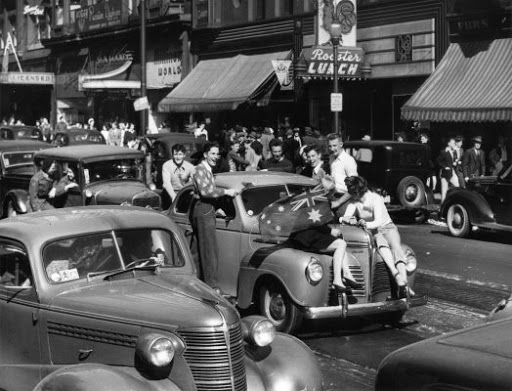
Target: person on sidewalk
pixel 203 214
pixel 447 160
pixel 473 162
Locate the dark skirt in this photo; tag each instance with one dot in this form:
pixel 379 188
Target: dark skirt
pixel 313 239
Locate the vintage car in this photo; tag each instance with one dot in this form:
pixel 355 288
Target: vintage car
pixel 78 136
pixel 96 298
pixel 106 175
pixel 287 284
pixel 16 168
pixel 398 170
pixel 20 132
pixel 485 203
pixel 476 358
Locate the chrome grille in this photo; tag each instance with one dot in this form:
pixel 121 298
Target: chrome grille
pixel 380 279
pixel 357 273
pixel 216 359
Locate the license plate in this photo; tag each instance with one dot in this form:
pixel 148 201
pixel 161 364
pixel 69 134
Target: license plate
pixel 387 199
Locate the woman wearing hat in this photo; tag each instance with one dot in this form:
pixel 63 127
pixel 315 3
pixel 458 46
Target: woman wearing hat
pixel 473 162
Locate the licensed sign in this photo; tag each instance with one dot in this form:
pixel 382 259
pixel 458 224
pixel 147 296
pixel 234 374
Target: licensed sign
pixel 320 62
pixel 32 78
pixel 336 101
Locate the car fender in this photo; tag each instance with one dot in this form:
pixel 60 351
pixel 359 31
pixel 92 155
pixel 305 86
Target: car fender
pixel 286 364
pixel 476 205
pixel 98 377
pixel 20 201
pixel 286 265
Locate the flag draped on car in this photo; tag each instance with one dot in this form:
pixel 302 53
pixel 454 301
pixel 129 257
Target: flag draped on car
pixel 295 213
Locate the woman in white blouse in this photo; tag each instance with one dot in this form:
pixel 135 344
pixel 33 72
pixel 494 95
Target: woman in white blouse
pixel 369 207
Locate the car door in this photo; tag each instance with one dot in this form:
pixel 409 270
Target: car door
pixel 499 196
pixel 19 319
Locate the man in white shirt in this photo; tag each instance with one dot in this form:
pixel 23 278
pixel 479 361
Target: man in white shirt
pixel 342 164
pixel 176 172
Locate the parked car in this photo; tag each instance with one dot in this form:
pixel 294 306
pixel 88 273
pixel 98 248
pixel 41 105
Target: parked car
pixel 476 358
pixel 285 283
pixel 106 299
pixel 398 170
pixel 485 203
pixel 16 168
pixel 77 136
pixel 161 151
pixel 20 132
pixel 106 175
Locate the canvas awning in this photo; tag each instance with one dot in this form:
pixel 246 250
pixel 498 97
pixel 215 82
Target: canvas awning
pixel 472 83
pixel 224 84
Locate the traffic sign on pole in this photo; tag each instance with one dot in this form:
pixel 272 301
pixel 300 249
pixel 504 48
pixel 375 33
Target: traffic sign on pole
pixel 336 101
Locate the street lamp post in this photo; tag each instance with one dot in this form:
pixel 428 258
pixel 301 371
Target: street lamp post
pixel 143 113
pixel 336 39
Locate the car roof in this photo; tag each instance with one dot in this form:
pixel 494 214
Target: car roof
pixel 46 225
pixel 239 180
pixel 78 130
pixel 22 145
pixel 18 127
pixel 90 153
pixel 373 143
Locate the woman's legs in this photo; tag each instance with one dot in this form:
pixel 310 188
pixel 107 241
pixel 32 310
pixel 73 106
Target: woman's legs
pixel 340 268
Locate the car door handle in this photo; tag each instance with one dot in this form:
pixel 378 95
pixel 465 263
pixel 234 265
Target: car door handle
pixel 84 354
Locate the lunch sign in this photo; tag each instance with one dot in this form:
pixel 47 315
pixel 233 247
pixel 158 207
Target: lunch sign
pixel 320 64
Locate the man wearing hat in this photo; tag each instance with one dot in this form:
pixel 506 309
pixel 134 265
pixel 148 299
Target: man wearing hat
pixel 473 161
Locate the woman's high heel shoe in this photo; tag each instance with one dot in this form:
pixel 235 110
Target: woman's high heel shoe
pixel 353 284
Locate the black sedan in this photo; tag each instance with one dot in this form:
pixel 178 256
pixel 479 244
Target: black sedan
pixel 78 136
pixel 20 132
pixel 477 358
pixel 486 203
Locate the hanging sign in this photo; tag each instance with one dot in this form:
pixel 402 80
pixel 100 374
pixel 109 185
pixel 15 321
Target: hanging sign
pixel 282 70
pixel 336 101
pixel 320 62
pixel 141 104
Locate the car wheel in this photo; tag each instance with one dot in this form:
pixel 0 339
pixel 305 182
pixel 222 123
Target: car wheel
pixel 275 304
pixel 411 192
pixel 10 211
pixel 457 220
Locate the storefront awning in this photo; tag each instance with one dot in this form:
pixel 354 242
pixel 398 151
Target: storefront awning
pixel 472 83
pixel 223 84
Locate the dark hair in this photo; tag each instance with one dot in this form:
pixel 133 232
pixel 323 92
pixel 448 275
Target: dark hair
pixel 315 148
pixel 356 185
pixel 208 146
pixel 233 142
pixel 334 136
pixel 46 164
pixel 258 147
pixel 275 142
pixel 179 148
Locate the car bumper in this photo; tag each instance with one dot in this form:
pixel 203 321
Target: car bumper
pixel 341 311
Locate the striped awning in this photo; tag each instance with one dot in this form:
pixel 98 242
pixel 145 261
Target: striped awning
pixel 472 83
pixel 224 84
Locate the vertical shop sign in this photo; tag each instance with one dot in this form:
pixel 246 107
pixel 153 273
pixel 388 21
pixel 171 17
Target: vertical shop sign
pixel 343 11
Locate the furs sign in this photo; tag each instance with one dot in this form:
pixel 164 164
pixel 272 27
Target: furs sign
pixel 320 64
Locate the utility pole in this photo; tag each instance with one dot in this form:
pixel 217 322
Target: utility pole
pixel 143 93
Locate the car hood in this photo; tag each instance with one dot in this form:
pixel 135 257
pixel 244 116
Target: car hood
pixel 492 338
pixel 115 193
pixel 163 300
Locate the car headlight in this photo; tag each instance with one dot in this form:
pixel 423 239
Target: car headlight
pixel 152 187
pixel 314 271
pixel 411 262
pixel 157 350
pixel 258 330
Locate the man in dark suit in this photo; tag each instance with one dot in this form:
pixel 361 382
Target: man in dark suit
pixel 473 162
pixel 447 161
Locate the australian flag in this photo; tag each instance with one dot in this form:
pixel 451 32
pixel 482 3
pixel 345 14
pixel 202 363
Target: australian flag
pixel 295 213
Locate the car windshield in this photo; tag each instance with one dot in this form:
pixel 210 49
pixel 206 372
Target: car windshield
pixel 113 169
pixel 82 256
pixel 257 198
pixel 16 159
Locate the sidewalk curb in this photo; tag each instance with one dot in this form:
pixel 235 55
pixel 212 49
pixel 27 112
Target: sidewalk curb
pixel 453 288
